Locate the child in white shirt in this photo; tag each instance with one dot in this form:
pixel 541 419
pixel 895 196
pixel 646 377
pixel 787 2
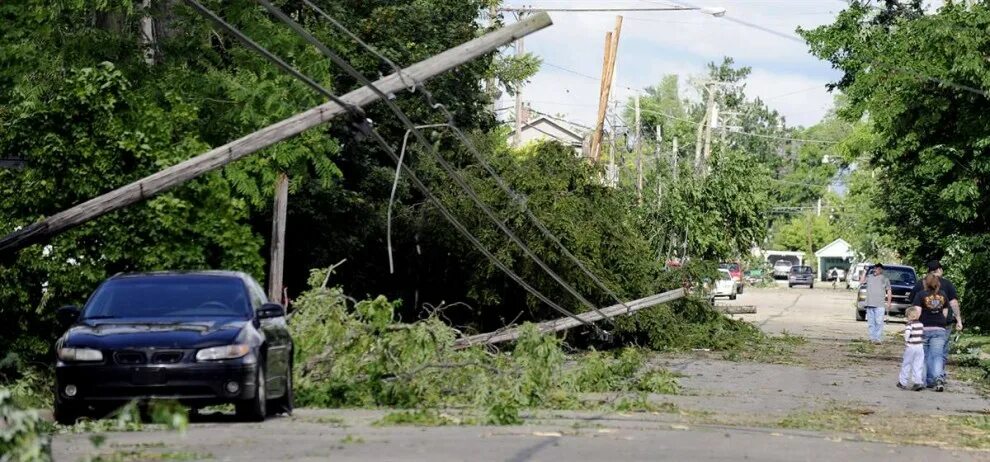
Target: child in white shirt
pixel 913 365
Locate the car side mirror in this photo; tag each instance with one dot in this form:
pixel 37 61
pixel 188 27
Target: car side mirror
pixel 67 315
pixel 271 310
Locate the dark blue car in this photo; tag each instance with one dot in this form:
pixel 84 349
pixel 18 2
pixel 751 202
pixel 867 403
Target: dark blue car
pixel 202 338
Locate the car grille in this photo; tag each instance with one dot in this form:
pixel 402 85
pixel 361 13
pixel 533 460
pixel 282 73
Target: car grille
pixel 129 357
pixel 166 357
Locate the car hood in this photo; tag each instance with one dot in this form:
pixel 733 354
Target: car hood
pixel 118 333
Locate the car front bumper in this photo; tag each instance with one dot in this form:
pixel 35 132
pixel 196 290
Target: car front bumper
pixel 190 383
pixel 895 308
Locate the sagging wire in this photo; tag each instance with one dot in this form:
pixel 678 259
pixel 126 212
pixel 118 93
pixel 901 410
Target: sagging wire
pixel 519 198
pixel 368 130
pixel 336 59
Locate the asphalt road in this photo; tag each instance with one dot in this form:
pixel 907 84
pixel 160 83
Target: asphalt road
pixel 739 403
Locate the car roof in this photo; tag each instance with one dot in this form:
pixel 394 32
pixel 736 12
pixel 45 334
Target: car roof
pixel 209 273
pixel 885 266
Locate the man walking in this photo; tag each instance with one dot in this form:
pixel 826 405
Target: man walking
pixel 878 299
pixel 954 318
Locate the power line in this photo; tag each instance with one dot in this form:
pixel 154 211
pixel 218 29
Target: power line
pixel 911 72
pixel 520 199
pixel 432 149
pixel 391 151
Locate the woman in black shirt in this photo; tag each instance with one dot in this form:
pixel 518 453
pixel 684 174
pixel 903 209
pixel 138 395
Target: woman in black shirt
pixel 934 306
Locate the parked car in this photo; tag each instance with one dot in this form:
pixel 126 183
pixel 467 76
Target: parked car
pixel 735 271
pixel 856 274
pixel 201 338
pixel 725 286
pixel 836 274
pixel 781 268
pixel 755 276
pixel 902 279
pixel 801 276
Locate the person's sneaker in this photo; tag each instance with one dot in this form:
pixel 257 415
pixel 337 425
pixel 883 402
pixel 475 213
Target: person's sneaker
pixel 939 385
pixel 917 387
pixel 901 386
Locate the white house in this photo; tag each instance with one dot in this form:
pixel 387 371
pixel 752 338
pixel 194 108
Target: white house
pixel 544 128
pixel 837 254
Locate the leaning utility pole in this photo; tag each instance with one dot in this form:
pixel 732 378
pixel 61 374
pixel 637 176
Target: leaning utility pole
pixel 658 153
pixel 277 266
pixel 517 140
pixel 703 128
pixel 639 157
pixel 608 73
pixel 216 158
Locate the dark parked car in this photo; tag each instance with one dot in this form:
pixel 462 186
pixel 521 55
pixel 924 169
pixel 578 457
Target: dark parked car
pixel 801 276
pixel 902 280
pixel 202 338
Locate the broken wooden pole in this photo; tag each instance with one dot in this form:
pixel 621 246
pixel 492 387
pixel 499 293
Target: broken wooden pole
pixel 254 142
pixel 561 324
pixel 735 309
pixel 278 239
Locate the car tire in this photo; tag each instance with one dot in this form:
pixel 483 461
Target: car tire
pixel 811 286
pixel 739 290
pixel 284 404
pixel 66 413
pixel 860 316
pixel 732 297
pixel 255 409
pixel 790 286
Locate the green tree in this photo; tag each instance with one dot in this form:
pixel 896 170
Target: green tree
pixel 930 154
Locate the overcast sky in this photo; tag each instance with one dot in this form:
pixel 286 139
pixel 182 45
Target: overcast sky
pixel 681 42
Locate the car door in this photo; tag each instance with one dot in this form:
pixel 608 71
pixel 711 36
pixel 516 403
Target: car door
pixel 277 337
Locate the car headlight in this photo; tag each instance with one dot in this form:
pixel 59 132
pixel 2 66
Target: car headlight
pixel 222 352
pixel 80 355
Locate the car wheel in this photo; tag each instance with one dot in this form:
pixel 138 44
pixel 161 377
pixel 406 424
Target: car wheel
pixel 860 316
pixel 285 403
pixel 790 286
pixel 65 413
pixel 740 290
pixel 732 297
pixel 255 409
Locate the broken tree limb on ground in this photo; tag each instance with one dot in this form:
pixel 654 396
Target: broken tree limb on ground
pixel 561 324
pixel 735 309
pixel 230 152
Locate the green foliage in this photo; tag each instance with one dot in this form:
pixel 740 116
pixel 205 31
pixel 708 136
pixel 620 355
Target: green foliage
pixel 344 359
pixel 606 371
pixel 659 381
pixel 686 324
pixel 418 417
pixel 929 144
pixel 24 436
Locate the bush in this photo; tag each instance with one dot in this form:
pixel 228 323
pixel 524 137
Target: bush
pixel 24 436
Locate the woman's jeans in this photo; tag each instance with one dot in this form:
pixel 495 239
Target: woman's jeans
pixel 935 340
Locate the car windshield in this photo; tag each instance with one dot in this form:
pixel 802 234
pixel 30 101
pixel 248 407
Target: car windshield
pixel 900 276
pixel 729 266
pixel 169 296
pixel 724 275
pixel 801 270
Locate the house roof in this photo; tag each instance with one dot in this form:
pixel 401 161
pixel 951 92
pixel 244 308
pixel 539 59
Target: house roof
pixel 837 248
pixel 564 127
